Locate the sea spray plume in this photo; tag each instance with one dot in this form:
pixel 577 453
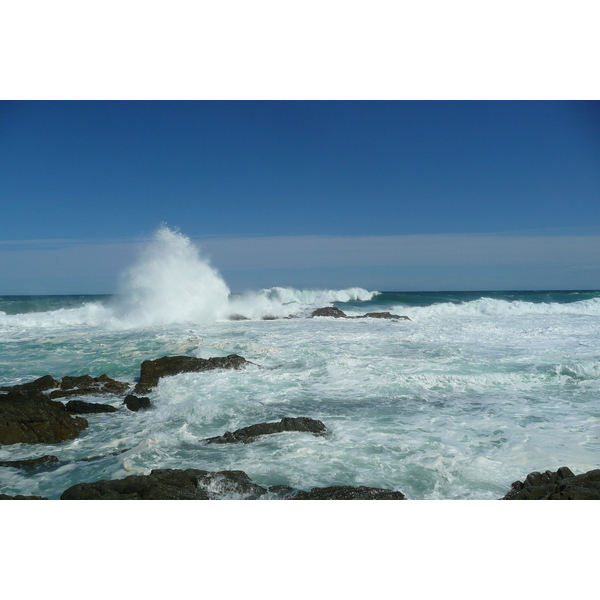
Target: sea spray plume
pixel 172 283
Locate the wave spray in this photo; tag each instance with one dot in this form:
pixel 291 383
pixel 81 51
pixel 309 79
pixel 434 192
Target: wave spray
pixel 172 283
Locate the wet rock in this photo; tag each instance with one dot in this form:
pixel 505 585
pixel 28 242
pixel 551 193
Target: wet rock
pixel 134 403
pixel 382 315
pixel 19 497
pixel 238 318
pixel 152 370
pixel 29 462
pixel 33 419
pixel 86 384
pixel 169 484
pixel 249 434
pixel 329 311
pixel 81 408
pixel 347 492
pixel 47 382
pixel 562 484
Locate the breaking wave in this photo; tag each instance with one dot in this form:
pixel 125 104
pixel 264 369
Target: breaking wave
pixel 171 282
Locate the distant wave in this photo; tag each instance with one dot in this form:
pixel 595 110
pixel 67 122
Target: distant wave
pixel 495 307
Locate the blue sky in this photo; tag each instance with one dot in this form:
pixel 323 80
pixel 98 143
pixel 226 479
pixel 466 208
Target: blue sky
pixel 389 195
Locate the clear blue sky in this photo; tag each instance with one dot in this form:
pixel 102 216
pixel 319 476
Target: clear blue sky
pixel 465 183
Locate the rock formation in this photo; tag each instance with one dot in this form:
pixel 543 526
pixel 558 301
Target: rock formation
pixel 169 484
pixel 347 492
pixel 557 485
pixel 152 370
pixel 32 418
pixel 81 408
pixel 134 403
pixel 249 434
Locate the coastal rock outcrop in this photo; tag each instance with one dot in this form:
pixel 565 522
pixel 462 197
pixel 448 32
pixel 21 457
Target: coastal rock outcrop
pixel 82 408
pixel 347 492
pixel 135 403
pixel 152 370
pixel 47 382
pixel 86 384
pixel 562 484
pixel 329 311
pixel 249 434
pixel 32 419
pixel 382 315
pixel 170 484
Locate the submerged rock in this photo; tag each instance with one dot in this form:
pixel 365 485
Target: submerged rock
pixel 152 370
pixel 169 484
pixel 86 384
pixel 249 434
pixel 81 408
pixel 29 462
pixel 34 419
pixel 134 403
pixel 562 484
pixel 329 311
pixel 347 492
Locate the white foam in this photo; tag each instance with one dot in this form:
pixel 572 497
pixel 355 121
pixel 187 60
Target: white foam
pixel 485 307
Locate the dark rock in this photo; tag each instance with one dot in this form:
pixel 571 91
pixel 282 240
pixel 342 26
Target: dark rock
pixel 238 318
pixel 270 318
pixel 5 497
pixel 557 485
pixel 134 403
pixel 169 484
pixel 86 384
pixel 249 434
pixel 152 370
pixel 81 408
pixel 47 382
pixel 33 418
pixel 382 315
pixel 347 492
pixel 29 462
pixel 329 311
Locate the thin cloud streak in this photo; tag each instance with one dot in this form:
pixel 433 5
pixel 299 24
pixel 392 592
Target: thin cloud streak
pixel 77 266
pixel 409 250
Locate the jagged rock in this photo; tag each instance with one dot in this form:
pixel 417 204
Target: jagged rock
pixel 557 485
pixel 19 497
pixel 347 492
pixel 32 418
pixel 29 462
pixel 81 408
pixel 134 403
pixel 169 484
pixel 86 384
pixel 329 311
pixel 152 370
pixel 249 434
pixel 47 382
pixel 382 315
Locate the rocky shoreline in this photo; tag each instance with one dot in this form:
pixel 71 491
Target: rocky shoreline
pixel 30 413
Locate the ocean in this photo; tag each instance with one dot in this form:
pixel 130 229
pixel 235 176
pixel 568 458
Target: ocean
pixel 474 391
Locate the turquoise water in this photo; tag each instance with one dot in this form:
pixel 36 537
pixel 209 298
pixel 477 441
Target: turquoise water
pixel 474 392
